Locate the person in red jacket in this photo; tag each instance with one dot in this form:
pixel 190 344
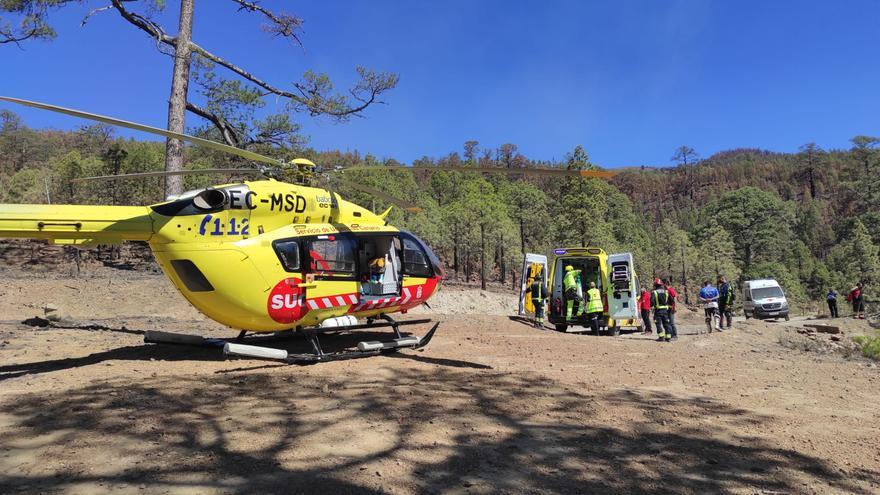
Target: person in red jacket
pixel 673 294
pixel 645 308
pixel 857 298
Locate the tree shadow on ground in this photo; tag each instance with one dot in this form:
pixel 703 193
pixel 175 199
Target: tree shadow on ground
pixel 428 430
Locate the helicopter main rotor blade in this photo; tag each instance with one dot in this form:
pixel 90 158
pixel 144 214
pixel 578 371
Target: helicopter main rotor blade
pixel 249 155
pixel 553 172
pixel 379 194
pixel 173 172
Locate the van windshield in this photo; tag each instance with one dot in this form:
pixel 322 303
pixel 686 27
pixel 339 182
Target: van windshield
pixel 765 292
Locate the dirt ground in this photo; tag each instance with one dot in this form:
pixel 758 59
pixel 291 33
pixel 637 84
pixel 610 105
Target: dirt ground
pixel 490 406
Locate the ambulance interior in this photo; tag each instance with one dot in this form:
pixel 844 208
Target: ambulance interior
pixel 590 272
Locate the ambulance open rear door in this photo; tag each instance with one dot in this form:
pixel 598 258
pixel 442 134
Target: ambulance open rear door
pixel 534 264
pixel 623 291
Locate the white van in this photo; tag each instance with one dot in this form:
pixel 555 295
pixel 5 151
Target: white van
pixel 764 299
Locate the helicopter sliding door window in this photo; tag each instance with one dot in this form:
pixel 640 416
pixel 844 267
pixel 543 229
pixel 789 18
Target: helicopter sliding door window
pixel 415 262
pixel 332 256
pixel 288 254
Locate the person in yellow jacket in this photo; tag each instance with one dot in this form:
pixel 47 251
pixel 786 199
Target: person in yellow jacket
pixel 570 289
pixel 595 307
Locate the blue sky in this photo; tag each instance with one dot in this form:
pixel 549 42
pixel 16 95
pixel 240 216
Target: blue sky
pixel 630 80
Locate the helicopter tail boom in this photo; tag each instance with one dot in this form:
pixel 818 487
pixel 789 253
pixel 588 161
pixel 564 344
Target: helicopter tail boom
pixel 82 225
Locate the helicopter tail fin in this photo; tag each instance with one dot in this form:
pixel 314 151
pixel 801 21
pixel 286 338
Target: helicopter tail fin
pixel 385 213
pixel 80 225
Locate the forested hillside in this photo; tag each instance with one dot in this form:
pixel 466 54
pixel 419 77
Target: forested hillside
pixel 810 219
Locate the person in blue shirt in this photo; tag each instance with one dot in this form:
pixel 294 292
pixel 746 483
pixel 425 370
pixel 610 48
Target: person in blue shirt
pixel 709 297
pixel 832 303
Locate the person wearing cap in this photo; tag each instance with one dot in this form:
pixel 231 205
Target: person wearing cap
pixel 570 288
pixel 595 307
pixel 661 302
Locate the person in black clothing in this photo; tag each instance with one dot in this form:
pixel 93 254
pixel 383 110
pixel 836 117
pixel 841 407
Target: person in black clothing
pixel 831 297
pixel 661 303
pixel 538 294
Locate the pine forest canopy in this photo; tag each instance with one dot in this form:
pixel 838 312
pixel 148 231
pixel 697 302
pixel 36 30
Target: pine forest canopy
pixel 810 219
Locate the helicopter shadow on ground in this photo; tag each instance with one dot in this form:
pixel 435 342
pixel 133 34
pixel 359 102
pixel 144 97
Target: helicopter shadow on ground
pixel 292 343
pixel 498 432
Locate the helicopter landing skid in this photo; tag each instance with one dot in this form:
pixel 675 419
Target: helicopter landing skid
pixel 364 349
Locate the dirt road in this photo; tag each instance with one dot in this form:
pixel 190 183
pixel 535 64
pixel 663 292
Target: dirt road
pixel 490 406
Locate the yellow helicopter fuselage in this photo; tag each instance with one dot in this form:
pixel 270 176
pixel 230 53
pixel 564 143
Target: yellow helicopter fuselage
pixel 259 255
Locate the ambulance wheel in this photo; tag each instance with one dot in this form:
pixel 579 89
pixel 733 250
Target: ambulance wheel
pixel 560 327
pixel 615 330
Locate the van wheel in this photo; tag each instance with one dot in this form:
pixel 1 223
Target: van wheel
pixel 561 328
pixel 787 318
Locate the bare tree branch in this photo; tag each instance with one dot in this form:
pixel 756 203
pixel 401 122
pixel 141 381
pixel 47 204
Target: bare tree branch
pixel 93 12
pixel 146 25
pixel 229 134
pixel 282 24
pixel 310 93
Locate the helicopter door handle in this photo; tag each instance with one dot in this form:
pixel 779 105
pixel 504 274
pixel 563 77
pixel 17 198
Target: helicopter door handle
pixel 76 225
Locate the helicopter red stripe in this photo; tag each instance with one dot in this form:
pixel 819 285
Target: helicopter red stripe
pixel 332 301
pixel 386 302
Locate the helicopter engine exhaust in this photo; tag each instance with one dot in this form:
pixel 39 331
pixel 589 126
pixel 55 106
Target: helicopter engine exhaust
pixel 210 199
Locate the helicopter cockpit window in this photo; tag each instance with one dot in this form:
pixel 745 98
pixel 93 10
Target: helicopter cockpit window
pixel 332 256
pixel 288 253
pixel 415 262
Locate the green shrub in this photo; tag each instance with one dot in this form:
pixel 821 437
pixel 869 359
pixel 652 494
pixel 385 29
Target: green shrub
pixel 870 346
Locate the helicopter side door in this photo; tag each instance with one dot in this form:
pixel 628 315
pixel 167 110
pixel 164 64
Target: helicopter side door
pixel 331 274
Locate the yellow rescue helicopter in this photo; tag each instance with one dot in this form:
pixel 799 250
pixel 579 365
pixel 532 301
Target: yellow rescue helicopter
pixel 262 255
